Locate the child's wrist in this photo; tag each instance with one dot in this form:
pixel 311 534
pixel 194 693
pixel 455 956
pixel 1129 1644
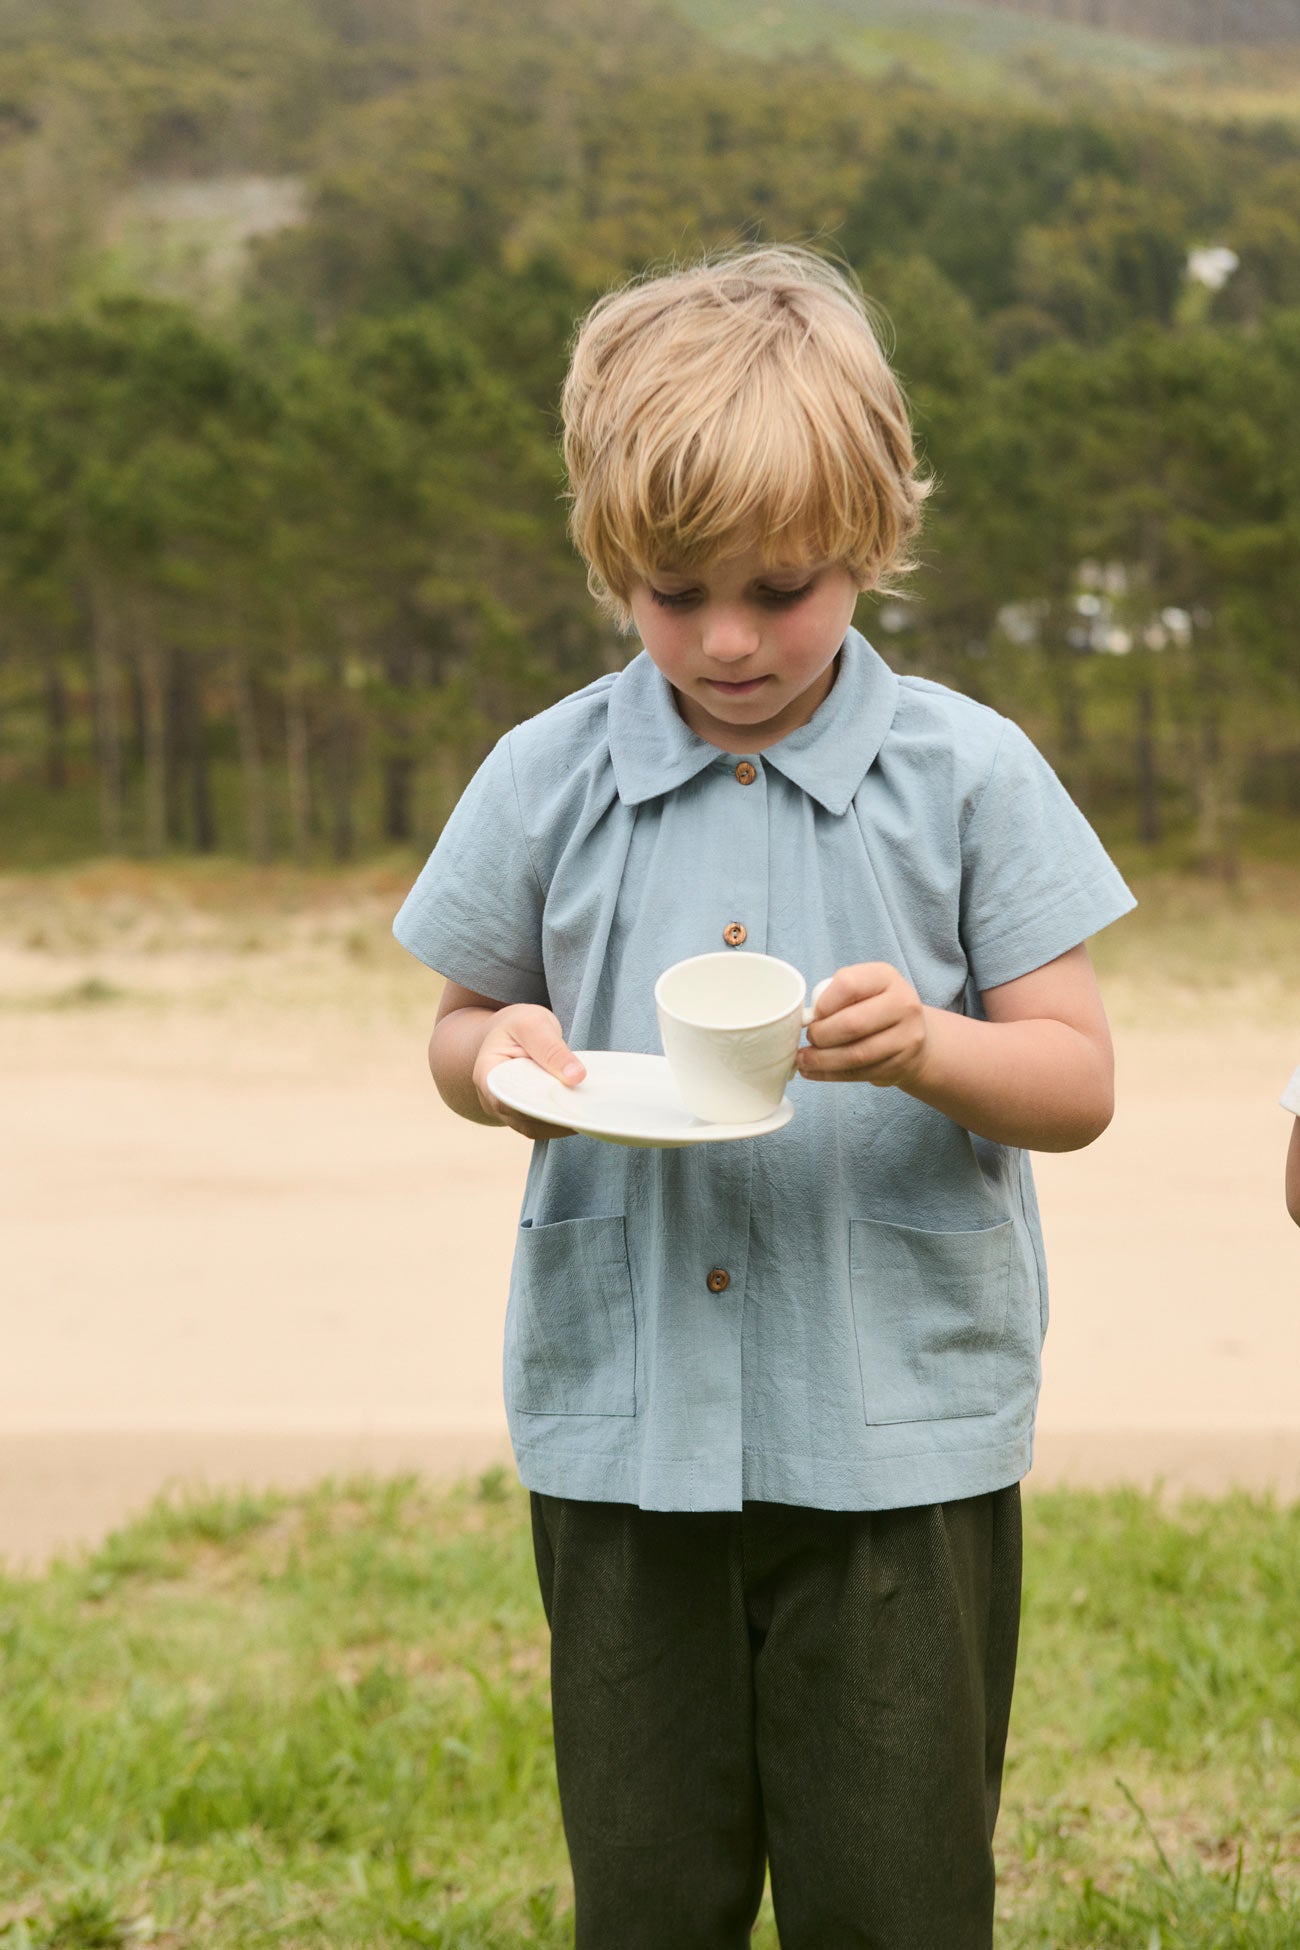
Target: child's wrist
pixel 917 1073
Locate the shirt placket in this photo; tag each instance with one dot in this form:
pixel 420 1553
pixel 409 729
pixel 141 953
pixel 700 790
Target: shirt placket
pixel 744 843
pixel 740 925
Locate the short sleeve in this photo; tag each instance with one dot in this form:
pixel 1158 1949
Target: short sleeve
pixel 1291 1095
pixel 475 913
pixel 1036 880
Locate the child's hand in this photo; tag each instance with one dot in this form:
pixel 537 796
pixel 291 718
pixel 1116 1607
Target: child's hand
pixel 870 1027
pixel 525 1029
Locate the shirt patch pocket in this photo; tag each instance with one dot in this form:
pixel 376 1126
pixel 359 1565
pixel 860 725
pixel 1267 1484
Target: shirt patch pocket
pixel 930 1311
pixel 571 1336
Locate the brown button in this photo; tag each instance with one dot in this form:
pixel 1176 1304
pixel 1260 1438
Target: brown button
pixel 719 1280
pixel 734 934
pixel 746 772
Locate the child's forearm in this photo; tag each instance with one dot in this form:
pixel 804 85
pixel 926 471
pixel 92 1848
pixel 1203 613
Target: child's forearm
pixel 453 1051
pixel 1038 1085
pixel 473 1035
pixel 1293 1173
pixel 1036 1070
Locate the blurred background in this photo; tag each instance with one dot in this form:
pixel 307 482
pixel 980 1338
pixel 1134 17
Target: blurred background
pixel 286 288
pixel 285 293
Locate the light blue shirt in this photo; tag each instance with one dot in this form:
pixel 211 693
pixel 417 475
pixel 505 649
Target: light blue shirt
pixel 877 1341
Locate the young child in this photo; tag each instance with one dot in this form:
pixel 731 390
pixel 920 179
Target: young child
pixel 1291 1102
pixel 773 1398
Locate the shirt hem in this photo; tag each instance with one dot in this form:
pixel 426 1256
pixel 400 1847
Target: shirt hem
pixel 693 1483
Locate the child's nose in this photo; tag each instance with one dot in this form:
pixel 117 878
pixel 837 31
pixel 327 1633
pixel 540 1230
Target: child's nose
pixel 729 635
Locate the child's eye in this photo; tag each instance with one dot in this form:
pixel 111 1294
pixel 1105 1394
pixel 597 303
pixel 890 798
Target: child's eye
pixel 769 598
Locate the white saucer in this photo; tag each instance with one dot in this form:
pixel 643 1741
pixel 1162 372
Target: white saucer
pixel 624 1098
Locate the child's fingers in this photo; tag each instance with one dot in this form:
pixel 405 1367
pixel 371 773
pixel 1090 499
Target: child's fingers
pixel 550 1052
pixel 868 1059
pixel 851 985
pixel 855 1053
pixel 515 1120
pixel 853 1024
pixel 534 1033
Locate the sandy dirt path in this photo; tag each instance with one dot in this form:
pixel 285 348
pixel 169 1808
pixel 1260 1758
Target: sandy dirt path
pixel 254 1247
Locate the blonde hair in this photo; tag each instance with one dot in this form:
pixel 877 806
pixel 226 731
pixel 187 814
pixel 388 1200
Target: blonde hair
pixel 741 402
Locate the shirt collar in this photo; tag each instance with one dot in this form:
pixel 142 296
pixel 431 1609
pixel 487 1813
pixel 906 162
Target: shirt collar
pixel 654 751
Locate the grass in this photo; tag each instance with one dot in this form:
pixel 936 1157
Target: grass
pixel 270 1720
pixel 261 1721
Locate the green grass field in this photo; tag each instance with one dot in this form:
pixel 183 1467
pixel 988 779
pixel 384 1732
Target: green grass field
pixel 322 1720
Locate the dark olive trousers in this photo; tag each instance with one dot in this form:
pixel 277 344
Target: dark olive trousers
pixel 826 1692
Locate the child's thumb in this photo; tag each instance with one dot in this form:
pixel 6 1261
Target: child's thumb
pixel 554 1056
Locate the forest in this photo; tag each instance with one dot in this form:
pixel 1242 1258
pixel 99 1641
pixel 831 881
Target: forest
pixel 285 296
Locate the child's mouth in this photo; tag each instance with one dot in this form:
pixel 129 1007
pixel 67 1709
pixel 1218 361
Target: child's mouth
pixel 736 690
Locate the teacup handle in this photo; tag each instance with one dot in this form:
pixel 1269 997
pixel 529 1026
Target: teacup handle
pixel 811 1010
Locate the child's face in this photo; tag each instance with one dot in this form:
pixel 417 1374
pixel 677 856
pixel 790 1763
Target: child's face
pixel 748 642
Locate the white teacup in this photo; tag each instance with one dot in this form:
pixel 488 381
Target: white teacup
pixel 730 1025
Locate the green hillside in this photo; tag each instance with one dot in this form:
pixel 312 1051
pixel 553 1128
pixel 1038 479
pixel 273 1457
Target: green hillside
pixel 1206 23
pixel 991 51
pixel 948 43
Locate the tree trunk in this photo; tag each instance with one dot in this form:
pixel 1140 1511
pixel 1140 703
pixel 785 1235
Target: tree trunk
pixel 252 762
pixel 177 749
pixel 201 813
pixel 56 724
pixel 108 717
pixel 1218 808
pixel 447 780
pixel 399 784
pixel 1148 775
pixel 180 741
pixel 135 698
pixel 340 751
pixel 151 669
pixel 297 745
pixel 1071 729
pixel 398 761
pixel 191 752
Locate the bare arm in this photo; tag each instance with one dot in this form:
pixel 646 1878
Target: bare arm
pixel 1038 1074
pixel 1293 1173
pixel 472 1034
